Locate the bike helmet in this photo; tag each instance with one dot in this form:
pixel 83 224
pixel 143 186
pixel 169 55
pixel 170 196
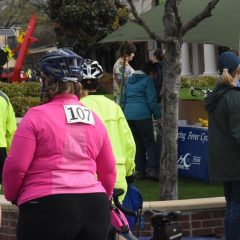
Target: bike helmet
pixel 62 64
pixel 92 69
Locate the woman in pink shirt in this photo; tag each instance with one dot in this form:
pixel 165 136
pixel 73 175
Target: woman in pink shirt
pixel 60 170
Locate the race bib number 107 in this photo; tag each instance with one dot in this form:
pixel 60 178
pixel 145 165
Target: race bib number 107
pixel 77 113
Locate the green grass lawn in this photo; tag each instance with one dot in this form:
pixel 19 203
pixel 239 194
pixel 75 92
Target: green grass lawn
pixel 184 94
pixel 187 189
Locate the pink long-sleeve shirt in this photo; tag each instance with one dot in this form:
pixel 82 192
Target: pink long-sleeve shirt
pixel 49 155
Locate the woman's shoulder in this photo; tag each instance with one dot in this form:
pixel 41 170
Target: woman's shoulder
pixel 119 62
pixel 232 96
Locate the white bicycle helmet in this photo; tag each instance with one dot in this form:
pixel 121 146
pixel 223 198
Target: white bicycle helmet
pixel 63 65
pixel 92 69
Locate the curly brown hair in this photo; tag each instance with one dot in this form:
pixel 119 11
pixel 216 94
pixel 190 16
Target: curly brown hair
pixel 54 88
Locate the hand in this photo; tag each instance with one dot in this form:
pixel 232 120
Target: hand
pixel 158 122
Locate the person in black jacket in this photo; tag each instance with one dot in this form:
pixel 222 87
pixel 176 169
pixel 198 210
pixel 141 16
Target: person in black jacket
pixel 158 56
pixel 223 107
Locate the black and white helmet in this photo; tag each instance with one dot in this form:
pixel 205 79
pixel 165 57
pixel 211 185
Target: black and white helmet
pixel 62 64
pixel 92 69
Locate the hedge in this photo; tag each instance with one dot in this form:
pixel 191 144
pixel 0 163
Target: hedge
pixel 201 81
pixel 22 95
pixel 27 94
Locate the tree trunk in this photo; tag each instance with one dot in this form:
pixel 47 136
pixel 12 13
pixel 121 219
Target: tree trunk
pixel 171 85
pixel 168 162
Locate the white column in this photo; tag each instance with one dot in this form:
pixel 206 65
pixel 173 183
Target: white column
pixel 185 60
pixel 210 66
pixel 195 59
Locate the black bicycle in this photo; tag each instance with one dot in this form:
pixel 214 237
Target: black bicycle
pixel 165 224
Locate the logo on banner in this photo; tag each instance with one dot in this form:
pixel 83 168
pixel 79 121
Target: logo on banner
pixel 185 161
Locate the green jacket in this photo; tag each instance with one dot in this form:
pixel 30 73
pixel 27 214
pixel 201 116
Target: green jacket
pixel 120 135
pixel 7 121
pixel 223 107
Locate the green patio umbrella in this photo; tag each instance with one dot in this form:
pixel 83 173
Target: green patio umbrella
pixel 222 28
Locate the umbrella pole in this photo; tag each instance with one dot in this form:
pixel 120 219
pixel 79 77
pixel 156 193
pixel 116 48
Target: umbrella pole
pixel 122 83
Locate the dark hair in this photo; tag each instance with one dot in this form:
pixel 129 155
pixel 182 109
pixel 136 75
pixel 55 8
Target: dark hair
pixel 90 84
pixel 159 54
pixel 150 67
pixel 129 48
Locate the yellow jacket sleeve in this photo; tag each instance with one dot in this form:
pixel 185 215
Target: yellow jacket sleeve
pixel 11 126
pixel 130 146
pixel 7 122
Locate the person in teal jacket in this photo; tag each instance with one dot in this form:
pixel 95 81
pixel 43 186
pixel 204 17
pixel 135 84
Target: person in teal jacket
pixel 140 107
pixel 7 128
pixel 111 114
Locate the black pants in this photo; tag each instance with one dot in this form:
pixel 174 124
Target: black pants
pixel 146 148
pixel 232 213
pixel 65 217
pixel 3 155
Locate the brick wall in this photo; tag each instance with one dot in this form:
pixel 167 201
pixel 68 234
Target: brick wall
pixel 194 223
pixel 9 222
pixel 209 222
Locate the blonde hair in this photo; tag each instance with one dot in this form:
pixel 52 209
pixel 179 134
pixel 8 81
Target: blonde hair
pixel 59 87
pixel 227 78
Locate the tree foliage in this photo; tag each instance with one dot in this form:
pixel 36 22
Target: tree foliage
pixel 80 24
pixel 16 13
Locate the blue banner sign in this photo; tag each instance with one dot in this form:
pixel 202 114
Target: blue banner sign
pixel 192 152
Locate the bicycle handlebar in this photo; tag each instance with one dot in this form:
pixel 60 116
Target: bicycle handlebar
pixel 163 216
pixel 116 193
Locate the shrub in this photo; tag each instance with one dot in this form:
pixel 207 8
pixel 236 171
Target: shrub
pixel 22 95
pixel 11 90
pixel 201 81
pixel 31 88
pixel 20 105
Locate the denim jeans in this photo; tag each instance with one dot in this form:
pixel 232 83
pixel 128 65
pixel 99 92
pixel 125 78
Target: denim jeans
pixel 146 148
pixel 232 215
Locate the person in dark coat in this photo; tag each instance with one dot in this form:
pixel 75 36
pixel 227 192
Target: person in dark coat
pixel 223 107
pixel 158 56
pixel 140 106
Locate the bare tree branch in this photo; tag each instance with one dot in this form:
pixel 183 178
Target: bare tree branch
pixel 197 19
pixel 12 12
pixel 39 4
pixel 175 4
pixel 140 22
pixel 172 26
pixel 112 4
pixel 9 22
